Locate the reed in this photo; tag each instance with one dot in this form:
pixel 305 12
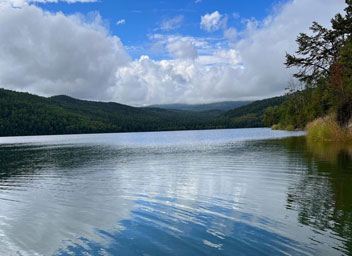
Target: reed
pixel 327 129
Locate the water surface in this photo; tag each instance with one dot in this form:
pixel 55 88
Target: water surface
pixel 220 192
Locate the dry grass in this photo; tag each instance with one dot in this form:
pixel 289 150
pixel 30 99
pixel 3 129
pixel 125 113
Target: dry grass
pixel 327 129
pixel 280 127
pixel 276 127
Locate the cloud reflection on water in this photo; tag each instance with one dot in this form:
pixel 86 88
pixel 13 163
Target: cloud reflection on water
pixel 213 196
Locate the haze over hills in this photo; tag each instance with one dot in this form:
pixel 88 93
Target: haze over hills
pixel 27 114
pixel 222 106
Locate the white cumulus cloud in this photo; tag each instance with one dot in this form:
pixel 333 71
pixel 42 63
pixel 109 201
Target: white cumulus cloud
pixel 182 80
pixel 186 46
pixel 120 22
pixel 212 21
pixel 182 49
pixel 251 68
pixel 52 54
pixel 18 3
pixel 67 1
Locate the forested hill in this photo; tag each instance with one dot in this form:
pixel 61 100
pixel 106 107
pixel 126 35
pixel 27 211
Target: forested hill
pixel 221 106
pixel 27 114
pixel 250 115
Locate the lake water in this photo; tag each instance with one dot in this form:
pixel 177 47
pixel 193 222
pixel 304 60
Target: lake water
pixel 220 192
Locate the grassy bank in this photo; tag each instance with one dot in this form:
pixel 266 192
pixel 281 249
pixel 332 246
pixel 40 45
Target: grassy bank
pixel 289 127
pixel 327 129
pixel 323 129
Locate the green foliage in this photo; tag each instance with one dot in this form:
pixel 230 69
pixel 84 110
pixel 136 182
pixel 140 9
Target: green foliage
pixel 317 53
pixel 272 116
pixel 252 115
pixel 324 61
pixel 301 107
pixel 220 106
pixel 26 114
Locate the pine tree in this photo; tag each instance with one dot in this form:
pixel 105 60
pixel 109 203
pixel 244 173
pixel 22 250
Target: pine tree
pixel 317 53
pixel 326 55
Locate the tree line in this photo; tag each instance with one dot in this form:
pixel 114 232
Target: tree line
pixel 323 81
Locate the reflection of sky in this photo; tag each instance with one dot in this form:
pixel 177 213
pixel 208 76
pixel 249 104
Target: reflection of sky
pixel 123 196
pixel 152 138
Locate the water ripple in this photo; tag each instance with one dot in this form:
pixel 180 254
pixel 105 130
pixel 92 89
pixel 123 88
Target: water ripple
pixel 242 192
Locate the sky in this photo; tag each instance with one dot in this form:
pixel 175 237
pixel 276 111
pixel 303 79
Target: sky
pixel 140 52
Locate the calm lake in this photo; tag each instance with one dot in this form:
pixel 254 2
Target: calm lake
pixel 219 192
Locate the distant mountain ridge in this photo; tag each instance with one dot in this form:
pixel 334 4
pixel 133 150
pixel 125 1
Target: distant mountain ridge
pixel 27 114
pixel 221 106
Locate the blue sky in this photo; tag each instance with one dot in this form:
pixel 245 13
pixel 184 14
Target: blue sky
pixel 143 18
pixel 154 52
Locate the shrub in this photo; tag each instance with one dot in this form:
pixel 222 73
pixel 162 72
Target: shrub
pixel 290 127
pixel 276 127
pixel 326 129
